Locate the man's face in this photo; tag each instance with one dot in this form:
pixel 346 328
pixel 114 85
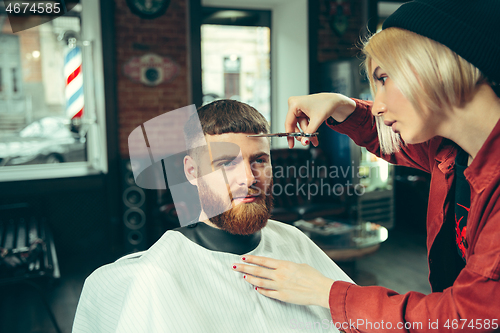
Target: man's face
pixel 247 177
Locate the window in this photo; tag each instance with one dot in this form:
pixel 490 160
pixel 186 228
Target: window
pixel 51 111
pixel 236 57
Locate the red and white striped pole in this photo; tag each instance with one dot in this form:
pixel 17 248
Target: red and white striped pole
pixel 74 80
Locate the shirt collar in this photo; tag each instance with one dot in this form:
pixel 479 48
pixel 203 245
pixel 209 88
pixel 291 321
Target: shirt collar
pixel 446 154
pixel 486 165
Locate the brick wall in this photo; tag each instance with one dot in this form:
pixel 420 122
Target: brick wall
pixel 165 36
pixel 330 45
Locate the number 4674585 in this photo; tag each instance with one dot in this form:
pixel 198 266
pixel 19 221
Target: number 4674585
pixel 35 8
pixel 472 324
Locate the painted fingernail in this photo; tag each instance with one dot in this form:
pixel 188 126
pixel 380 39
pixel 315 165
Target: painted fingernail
pixel 306 142
pixel 234 266
pixel 243 258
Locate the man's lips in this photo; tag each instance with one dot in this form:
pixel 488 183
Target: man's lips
pixel 248 198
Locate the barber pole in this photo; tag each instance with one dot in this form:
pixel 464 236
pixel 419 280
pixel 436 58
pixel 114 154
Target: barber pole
pixel 74 81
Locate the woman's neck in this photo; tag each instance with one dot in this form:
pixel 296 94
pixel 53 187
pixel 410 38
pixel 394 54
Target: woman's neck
pixel 469 126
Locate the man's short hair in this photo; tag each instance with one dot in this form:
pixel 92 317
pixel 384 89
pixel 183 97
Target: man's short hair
pixel 223 116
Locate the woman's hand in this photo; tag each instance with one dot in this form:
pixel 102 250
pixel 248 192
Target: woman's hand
pixel 286 281
pixel 310 111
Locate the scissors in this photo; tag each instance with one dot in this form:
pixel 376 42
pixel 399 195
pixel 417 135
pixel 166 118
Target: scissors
pixel 293 134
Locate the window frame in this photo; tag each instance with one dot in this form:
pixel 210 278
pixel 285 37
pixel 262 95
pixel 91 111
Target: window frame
pixel 95 107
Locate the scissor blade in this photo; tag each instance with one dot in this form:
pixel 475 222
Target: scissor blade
pixel 296 134
pixel 267 135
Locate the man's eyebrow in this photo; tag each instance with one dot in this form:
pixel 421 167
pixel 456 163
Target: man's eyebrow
pixel 375 77
pixel 259 154
pixel 232 157
pixel 225 158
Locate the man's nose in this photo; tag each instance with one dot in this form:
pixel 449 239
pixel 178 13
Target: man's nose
pixel 379 107
pixel 248 177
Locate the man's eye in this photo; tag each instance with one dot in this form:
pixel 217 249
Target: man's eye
pixel 228 163
pixel 260 160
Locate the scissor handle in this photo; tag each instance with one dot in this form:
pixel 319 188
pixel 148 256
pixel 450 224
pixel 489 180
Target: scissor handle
pixel 305 135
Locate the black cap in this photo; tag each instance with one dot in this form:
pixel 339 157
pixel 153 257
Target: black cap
pixel 470 28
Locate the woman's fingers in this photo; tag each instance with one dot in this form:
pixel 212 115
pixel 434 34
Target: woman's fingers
pixel 304 123
pixel 269 293
pixel 291 120
pixel 263 286
pixel 314 124
pixel 258 282
pixel 307 127
pixel 294 112
pixel 261 261
pixel 286 281
pixel 262 272
pixel 305 111
pixel 290 139
pixel 295 116
pixel 263 268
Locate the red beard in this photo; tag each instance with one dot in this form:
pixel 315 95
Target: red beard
pixel 243 219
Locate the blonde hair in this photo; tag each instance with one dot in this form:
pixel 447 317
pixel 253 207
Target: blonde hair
pixel 429 74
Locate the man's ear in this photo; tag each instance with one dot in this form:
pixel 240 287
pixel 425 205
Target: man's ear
pixel 190 170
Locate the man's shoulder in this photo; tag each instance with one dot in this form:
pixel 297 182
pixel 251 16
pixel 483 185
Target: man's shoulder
pixel 281 226
pixel 120 270
pixel 127 266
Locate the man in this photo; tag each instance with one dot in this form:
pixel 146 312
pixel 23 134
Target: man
pixel 185 281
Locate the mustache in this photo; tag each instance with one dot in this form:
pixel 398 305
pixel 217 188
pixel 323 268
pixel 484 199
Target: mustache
pixel 250 192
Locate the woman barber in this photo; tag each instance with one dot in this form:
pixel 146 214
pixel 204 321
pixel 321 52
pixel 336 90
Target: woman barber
pixel 433 70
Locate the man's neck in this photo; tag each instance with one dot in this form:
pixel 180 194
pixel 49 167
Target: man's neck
pixel 207 221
